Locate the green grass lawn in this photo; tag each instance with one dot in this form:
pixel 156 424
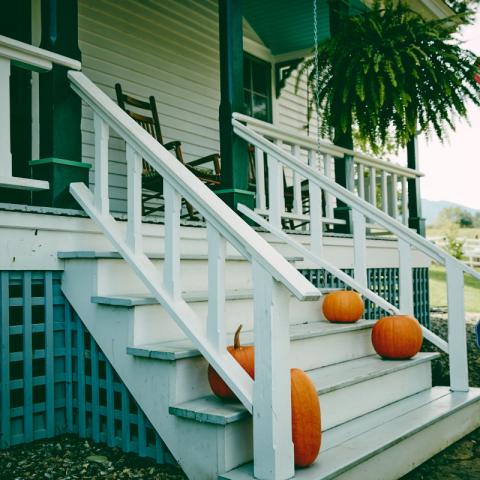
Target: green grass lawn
pixel 438 291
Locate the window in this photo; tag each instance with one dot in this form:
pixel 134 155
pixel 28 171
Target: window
pixel 257 87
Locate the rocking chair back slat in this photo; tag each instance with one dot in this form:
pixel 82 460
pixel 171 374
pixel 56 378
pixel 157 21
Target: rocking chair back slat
pixel 148 119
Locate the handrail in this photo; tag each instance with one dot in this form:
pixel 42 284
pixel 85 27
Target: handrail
pixel 272 277
pixel 304 141
pixel 235 230
pixel 349 198
pixel 34 58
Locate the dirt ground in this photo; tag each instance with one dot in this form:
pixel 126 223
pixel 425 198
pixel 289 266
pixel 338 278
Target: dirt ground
pixel 69 457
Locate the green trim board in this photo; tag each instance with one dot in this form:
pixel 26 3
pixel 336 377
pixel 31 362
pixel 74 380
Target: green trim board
pixel 233 149
pixel 59 161
pixel 16 23
pixel 234 190
pixel 60 173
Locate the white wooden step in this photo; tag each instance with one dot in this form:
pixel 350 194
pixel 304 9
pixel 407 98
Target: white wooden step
pixel 312 344
pixel 152 323
pixel 345 390
pixel 388 443
pixel 133 300
pixel 115 277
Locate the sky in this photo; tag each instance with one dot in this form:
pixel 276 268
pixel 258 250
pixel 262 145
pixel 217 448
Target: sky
pixel 452 169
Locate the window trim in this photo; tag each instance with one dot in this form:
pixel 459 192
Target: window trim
pixel 271 95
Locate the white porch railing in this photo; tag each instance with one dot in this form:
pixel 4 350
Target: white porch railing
pixel 268 397
pixel 13 52
pixel 383 184
pixel 318 183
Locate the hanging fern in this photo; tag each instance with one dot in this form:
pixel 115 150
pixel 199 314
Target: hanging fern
pixel 389 73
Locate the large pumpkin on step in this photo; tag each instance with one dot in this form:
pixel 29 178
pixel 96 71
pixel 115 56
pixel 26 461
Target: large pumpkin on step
pixel 306 422
pixel 343 306
pixel 397 337
pixel 245 356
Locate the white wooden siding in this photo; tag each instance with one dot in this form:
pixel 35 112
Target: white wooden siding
pixel 169 49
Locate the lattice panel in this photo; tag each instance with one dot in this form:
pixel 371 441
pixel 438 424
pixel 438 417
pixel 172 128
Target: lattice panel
pixel 385 282
pixel 54 378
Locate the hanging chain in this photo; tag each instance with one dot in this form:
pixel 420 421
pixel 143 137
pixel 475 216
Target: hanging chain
pixel 317 76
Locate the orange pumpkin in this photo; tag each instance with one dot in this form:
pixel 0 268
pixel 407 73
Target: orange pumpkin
pixel 306 422
pixel 343 306
pixel 245 356
pixel 397 337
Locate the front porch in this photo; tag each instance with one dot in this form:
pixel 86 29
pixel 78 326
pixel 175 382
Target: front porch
pixel 194 70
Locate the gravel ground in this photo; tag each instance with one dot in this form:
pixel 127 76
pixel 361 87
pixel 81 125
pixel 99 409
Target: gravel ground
pixel 439 325
pixel 69 458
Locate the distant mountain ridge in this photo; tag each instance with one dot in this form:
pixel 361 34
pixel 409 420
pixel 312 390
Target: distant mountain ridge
pixel 431 208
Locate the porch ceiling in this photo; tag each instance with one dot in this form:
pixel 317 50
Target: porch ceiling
pixel 287 26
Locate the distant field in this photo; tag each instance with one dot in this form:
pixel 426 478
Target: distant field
pixel 462 232
pixel 438 291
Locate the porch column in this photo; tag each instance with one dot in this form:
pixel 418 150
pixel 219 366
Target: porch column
pixel 415 219
pixel 233 150
pixel 343 166
pixel 16 23
pixel 60 109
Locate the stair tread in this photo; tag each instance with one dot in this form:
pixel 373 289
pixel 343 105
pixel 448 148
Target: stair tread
pixel 97 254
pixel 374 433
pixel 183 348
pixel 326 379
pixel 132 300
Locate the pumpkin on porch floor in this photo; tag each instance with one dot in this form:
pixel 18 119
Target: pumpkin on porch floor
pixel 306 421
pixel 397 337
pixel 343 306
pixel 245 356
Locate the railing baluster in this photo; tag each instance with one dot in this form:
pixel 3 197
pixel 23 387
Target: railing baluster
pixel 273 448
pixel 313 160
pixel 134 199
pixel 316 210
pixel 329 173
pixel 216 288
pixel 384 192
pixel 372 186
pixel 457 335
pixel 171 267
pixel 5 152
pixel 281 181
pixel 316 218
pixel 260 179
pixel 361 181
pixel 101 164
pixel 297 183
pixel 406 277
pixel 359 247
pixel 392 196
pixel 275 191
pixel 404 201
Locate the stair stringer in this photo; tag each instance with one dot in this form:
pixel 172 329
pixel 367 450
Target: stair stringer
pixel 199 451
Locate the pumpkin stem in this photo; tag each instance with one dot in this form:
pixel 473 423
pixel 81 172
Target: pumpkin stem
pixel 236 338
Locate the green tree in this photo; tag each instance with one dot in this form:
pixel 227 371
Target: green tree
pixel 388 73
pixel 464 6
pixel 458 216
